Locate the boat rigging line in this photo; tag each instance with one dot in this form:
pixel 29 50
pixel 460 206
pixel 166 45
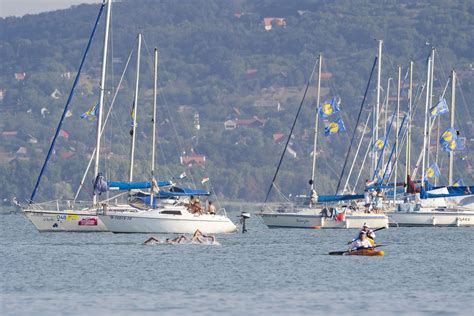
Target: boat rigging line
pixel 291 131
pixel 357 124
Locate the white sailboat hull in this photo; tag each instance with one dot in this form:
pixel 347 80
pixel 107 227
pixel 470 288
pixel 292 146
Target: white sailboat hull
pixel 432 218
pixel 154 221
pixel 317 221
pixel 65 221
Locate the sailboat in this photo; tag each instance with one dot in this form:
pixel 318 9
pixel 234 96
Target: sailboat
pixel 451 205
pixel 315 211
pixel 56 216
pixel 155 212
pixel 73 215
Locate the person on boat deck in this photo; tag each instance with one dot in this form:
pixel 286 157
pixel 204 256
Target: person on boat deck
pixel 195 205
pixel 361 243
pixel 211 209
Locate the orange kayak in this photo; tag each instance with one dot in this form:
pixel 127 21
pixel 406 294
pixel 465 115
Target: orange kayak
pixel 365 252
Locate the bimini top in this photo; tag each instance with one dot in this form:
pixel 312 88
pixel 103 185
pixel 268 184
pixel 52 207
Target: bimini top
pixel 121 185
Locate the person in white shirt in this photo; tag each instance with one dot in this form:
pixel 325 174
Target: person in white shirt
pixel 361 243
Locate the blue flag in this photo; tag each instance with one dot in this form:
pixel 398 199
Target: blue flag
pixel 458 183
pixel 454 145
pixel 328 108
pixel 439 109
pixel 91 113
pixel 448 136
pixel 335 128
pixel 433 171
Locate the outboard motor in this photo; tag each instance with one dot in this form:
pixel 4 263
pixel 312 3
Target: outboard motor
pixel 243 217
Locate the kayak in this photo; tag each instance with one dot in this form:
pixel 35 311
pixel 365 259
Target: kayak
pixel 365 252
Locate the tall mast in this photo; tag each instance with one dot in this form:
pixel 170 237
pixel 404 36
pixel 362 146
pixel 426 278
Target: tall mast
pixel 316 125
pixel 155 92
pixel 410 103
pixel 377 106
pixel 396 134
pixel 102 94
pixel 425 132
pixel 430 89
pixel 386 116
pixel 135 106
pixel 453 107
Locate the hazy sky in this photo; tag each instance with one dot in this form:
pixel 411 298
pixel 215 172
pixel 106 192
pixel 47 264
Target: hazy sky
pixel 22 7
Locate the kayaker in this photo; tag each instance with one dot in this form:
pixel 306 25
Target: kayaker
pixel 370 233
pixel 361 243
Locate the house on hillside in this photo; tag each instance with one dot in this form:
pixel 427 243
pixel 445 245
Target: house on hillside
pixel 326 75
pixel 9 133
pixel 66 75
pixel 252 122
pixel 56 94
pixel 192 158
pixel 268 104
pixel 277 137
pixel 251 72
pixel 20 76
pixel 269 22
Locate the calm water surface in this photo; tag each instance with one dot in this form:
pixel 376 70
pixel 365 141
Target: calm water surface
pixel 264 272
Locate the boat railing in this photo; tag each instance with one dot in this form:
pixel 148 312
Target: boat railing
pixel 222 211
pixel 59 205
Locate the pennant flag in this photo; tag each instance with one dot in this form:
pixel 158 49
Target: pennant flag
pixel 448 136
pixel 183 175
pixel 328 108
pixel 433 171
pixel 458 183
pixel 204 180
pixel 335 128
pixel 440 108
pixel 379 144
pixel 91 113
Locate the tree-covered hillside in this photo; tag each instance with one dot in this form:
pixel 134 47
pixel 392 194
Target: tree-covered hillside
pixel 222 68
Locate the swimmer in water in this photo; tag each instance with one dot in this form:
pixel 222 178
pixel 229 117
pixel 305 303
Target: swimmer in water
pixel 152 241
pixel 199 237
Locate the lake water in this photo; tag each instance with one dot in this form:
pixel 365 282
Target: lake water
pixel 263 272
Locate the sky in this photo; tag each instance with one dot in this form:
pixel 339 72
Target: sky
pixel 22 7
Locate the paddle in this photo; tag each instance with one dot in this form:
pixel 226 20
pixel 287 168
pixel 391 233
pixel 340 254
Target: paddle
pixel 340 253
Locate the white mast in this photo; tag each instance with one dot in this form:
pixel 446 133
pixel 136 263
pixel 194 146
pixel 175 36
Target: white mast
pixel 316 126
pixel 397 126
pixel 453 106
pixel 155 92
pixel 410 103
pixel 102 94
pixel 430 90
pixel 387 96
pixel 377 106
pixel 425 133
pixel 134 110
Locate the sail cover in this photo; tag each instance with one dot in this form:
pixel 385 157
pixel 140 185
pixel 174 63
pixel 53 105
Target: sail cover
pixel 331 198
pixel 120 185
pixel 447 192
